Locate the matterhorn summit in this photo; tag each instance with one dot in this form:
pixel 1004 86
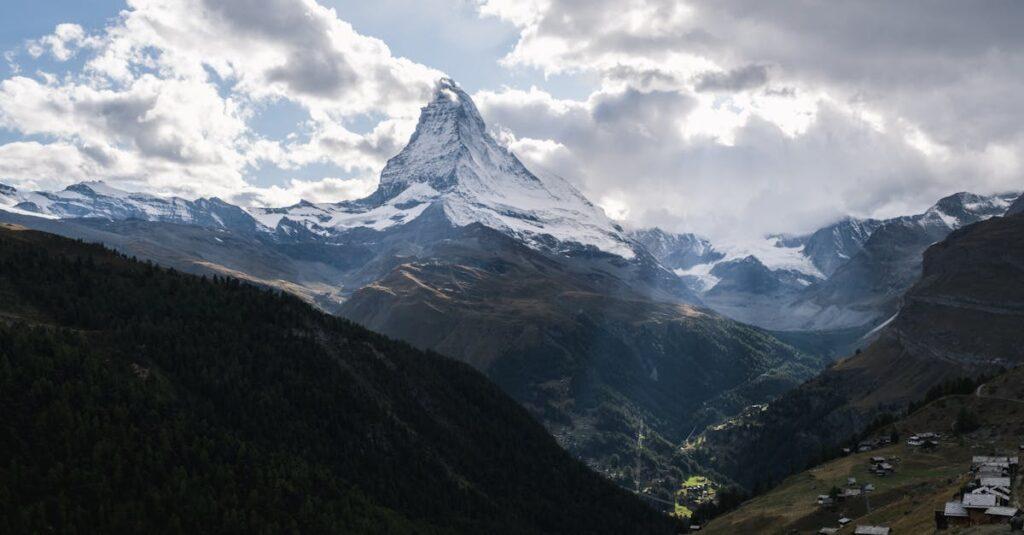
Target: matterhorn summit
pixel 453 163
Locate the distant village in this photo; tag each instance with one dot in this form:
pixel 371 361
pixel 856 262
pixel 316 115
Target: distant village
pixel 986 499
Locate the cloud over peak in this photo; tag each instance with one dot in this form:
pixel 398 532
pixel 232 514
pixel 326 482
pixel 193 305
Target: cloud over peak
pixel 706 116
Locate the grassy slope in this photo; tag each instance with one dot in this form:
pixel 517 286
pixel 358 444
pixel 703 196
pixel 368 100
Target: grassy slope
pixel 922 483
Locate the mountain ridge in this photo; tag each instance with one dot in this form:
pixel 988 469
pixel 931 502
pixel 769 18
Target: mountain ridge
pixel 865 265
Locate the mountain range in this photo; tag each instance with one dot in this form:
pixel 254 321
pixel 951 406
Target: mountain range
pixel 464 251
pixel 602 334
pixel 847 275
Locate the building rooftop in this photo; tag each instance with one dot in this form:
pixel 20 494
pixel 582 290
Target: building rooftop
pixel 978 501
pixel 995 482
pixel 997 491
pixel 872 530
pixel 955 509
pixel 1001 511
pixel 985 459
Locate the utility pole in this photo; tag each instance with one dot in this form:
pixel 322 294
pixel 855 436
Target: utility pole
pixel 636 468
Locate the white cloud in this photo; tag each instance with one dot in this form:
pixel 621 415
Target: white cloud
pixel 166 133
pixel 168 92
pixel 771 116
pixel 322 190
pixel 294 49
pixel 631 152
pixel 63 42
pixel 705 116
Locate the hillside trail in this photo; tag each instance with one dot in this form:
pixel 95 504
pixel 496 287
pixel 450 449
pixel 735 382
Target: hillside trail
pixel 979 393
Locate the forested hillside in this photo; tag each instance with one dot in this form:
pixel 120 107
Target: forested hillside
pixel 135 398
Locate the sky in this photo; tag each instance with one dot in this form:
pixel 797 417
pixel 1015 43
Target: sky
pixel 727 118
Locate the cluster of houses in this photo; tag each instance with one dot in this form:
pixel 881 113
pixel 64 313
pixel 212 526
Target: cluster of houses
pixel 881 466
pixel 924 440
pixel 987 498
pixel 851 491
pixel 696 492
pixel 869 444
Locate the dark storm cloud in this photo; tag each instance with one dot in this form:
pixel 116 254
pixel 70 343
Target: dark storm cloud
pixel 749 77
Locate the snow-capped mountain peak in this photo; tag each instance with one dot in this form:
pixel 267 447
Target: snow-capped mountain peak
pixel 965 208
pixel 449 147
pixel 94 188
pixel 452 161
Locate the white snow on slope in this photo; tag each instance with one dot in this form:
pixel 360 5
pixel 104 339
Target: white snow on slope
pixel 702 273
pixel 772 255
pixel 101 201
pixel 453 161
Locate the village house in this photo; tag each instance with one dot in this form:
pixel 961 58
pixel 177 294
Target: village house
pixel 987 500
pixel 1002 497
pixel 976 505
pixel 1010 463
pixel 926 440
pixel 994 482
pixel 978 501
pixel 880 467
pixel 992 470
pixel 872 530
pixel 1001 514
pixel 954 514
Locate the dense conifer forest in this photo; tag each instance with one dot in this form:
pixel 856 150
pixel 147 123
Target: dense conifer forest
pixel 139 399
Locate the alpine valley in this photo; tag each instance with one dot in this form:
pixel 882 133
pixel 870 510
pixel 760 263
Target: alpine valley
pixel 627 345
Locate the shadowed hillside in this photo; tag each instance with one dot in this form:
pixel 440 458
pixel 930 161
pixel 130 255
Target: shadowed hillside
pixel 137 398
